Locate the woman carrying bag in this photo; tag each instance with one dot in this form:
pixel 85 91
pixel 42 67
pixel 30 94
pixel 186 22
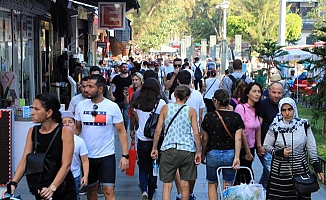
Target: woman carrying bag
pixel 289 139
pixel 60 141
pixel 149 100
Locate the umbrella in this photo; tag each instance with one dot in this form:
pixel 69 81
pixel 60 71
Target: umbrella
pixel 295 54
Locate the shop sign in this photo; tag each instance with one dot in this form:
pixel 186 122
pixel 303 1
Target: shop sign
pixel 112 15
pixel 102 45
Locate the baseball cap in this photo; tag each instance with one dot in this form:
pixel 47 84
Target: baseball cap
pixel 67 114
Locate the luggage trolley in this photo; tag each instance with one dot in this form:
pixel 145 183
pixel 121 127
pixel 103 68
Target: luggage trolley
pixel 224 191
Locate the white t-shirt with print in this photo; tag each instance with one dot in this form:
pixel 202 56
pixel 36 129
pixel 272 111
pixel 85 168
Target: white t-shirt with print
pixel 98 131
pixel 79 150
pixel 142 117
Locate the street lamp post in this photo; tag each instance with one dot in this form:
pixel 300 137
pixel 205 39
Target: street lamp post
pixel 224 5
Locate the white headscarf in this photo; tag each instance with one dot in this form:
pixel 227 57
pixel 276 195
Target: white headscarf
pixel 282 126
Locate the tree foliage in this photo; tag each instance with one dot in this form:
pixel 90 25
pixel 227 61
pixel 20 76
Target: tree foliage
pixel 318 98
pixel 293 27
pixel 236 25
pixel 161 21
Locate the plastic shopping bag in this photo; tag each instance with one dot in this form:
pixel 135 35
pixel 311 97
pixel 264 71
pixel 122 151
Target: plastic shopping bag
pixel 132 159
pixel 252 191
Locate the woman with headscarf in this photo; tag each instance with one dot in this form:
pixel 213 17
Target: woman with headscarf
pixel 288 139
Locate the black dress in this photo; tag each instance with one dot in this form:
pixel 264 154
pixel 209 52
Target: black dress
pixel 55 151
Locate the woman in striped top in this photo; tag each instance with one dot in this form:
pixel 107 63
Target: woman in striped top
pixel 288 139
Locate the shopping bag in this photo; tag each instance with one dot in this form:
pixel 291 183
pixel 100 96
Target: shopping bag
pixel 132 159
pixel 252 191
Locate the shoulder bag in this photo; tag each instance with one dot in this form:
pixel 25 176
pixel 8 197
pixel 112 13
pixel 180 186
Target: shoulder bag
pixel 160 142
pixel 303 184
pixel 42 168
pixel 150 126
pixel 209 88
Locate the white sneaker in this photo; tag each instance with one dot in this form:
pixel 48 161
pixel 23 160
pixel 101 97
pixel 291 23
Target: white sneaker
pixel 144 196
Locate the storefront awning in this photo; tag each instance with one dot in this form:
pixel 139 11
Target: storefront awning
pixel 131 4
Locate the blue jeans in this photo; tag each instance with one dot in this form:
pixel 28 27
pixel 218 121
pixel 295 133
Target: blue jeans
pixel 266 161
pixel 218 158
pixel 145 165
pixel 77 183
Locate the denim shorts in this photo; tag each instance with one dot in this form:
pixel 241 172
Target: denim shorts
pixel 102 170
pixel 218 158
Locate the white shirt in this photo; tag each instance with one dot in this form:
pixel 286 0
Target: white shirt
pixel 79 150
pixel 142 117
pixel 98 131
pixel 74 101
pixel 210 89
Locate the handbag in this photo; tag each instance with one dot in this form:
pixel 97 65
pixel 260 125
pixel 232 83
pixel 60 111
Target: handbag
pixel 150 126
pixel 132 159
pixel 42 168
pixel 303 183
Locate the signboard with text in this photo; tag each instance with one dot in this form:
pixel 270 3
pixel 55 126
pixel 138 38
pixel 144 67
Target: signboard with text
pixel 112 15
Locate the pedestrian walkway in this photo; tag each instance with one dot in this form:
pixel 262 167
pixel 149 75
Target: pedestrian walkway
pixel 127 187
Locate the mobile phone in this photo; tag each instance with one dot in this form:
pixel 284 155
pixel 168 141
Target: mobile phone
pixel 125 88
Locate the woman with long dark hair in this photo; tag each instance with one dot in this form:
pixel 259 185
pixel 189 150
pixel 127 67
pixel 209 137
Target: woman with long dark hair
pixel 149 100
pixel 248 109
pixel 221 146
pixel 45 111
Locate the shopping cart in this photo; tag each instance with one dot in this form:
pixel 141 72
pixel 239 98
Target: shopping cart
pixel 252 191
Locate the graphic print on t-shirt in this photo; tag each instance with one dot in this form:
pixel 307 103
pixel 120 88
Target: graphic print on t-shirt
pixel 98 119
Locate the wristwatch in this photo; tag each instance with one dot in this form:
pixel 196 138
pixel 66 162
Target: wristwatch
pixel 125 156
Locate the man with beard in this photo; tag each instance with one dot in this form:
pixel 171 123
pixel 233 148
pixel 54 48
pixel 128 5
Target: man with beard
pixel 97 118
pixel 121 82
pixel 268 110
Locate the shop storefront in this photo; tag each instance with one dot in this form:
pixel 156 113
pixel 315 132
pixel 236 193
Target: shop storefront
pixel 20 42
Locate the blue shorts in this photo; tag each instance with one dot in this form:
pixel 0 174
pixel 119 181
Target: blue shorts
pixel 102 170
pixel 216 159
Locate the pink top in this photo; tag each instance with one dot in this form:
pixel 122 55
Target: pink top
pixel 250 120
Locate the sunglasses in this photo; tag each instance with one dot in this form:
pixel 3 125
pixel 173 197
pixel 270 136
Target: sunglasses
pixel 94 112
pixel 177 65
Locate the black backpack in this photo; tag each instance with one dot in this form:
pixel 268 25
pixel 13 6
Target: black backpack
pixel 198 74
pixel 236 81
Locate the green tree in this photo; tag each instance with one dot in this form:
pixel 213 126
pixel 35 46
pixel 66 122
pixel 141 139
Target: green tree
pixel 262 17
pixel 236 25
pixel 268 51
pixel 158 21
pixel 318 98
pixel 293 28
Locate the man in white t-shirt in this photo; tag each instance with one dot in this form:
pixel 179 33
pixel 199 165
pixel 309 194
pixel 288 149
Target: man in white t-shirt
pixel 97 118
pixel 79 97
pixel 80 154
pixel 195 101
